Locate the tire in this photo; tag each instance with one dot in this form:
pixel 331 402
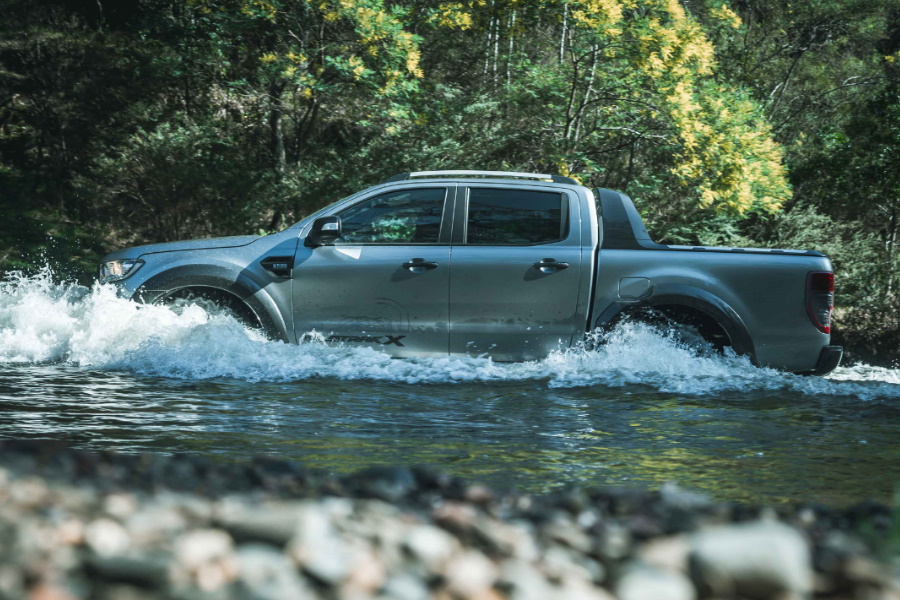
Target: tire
pixel 214 302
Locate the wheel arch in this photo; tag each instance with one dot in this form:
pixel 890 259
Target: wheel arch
pixel 244 289
pixel 688 297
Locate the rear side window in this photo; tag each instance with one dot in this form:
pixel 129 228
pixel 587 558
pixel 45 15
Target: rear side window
pixel 511 217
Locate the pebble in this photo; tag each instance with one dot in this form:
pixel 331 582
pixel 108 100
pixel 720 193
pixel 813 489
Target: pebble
pixel 106 537
pixel 641 582
pixel 469 574
pixel 87 526
pixel 265 573
pixel 759 560
pixel 430 545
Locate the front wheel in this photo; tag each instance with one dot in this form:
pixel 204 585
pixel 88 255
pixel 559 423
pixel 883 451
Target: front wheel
pixel 214 302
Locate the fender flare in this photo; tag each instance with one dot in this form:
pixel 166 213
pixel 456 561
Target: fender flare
pixel 163 284
pixel 690 297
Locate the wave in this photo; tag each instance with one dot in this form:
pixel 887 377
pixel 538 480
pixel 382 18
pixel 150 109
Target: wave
pixel 46 321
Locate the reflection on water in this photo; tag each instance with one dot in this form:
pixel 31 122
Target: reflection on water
pixel 102 372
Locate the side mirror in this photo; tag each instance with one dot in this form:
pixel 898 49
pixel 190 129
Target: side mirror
pixel 324 231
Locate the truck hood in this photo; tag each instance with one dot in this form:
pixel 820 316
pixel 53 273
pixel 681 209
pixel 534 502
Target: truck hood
pixel 204 244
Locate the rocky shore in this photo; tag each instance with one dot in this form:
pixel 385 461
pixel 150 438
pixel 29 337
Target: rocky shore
pixel 83 525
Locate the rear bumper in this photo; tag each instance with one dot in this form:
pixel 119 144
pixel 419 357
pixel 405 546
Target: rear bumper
pixel 829 359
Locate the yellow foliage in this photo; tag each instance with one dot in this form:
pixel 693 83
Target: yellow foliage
pixel 452 15
pixel 267 8
pixel 268 57
pixel 725 14
pixel 724 148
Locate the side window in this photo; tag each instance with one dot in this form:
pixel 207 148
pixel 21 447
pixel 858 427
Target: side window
pixel 513 217
pixel 400 217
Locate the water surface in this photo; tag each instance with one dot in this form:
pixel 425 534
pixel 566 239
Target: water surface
pixel 105 373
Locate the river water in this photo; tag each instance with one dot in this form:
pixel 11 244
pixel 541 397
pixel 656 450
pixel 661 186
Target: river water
pixel 102 372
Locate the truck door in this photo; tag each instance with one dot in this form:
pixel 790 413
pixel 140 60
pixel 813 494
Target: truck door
pixel 515 272
pixel 385 283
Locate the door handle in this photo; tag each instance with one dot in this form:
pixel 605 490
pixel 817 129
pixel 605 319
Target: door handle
pixel 547 265
pixel 418 265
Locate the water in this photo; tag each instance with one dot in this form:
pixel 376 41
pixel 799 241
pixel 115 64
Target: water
pixel 105 373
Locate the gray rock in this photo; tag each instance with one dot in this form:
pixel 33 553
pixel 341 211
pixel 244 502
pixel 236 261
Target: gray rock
pixel 144 570
pixel 272 523
pixel 317 546
pixel 107 537
pixel 576 589
pixel 641 582
pixel 523 581
pixel 667 553
pixel 674 495
pixel 561 564
pixel 614 541
pixel 470 574
pixel 758 560
pixel 267 574
pixel 430 545
pixel 202 546
pixel 405 587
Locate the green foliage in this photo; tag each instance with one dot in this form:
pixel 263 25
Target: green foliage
pixel 153 120
pixel 180 179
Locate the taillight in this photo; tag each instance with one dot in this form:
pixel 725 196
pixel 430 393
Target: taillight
pixel 820 299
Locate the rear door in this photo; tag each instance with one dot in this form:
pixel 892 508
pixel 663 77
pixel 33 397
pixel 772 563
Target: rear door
pixel 516 269
pixel 385 283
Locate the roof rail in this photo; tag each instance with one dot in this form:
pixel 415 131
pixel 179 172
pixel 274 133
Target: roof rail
pixel 442 174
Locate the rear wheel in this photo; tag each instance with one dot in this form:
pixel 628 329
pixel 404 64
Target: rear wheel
pixel 687 326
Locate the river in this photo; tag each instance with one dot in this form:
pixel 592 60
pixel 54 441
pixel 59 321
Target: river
pixel 101 372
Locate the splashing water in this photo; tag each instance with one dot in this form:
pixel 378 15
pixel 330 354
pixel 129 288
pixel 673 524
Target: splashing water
pixel 44 321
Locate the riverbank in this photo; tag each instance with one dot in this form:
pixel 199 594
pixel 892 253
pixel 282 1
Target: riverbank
pixel 78 524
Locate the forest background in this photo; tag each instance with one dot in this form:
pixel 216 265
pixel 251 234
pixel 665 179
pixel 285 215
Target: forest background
pixel 753 123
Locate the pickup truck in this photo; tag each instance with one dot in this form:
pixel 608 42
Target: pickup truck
pixel 510 265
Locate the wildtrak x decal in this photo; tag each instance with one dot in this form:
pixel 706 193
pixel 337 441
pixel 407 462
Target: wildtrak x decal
pixel 384 340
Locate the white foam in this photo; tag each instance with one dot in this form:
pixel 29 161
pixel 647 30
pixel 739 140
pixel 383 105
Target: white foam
pixel 45 321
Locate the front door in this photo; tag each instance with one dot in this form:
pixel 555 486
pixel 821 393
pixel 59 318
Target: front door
pixel 516 271
pixel 385 283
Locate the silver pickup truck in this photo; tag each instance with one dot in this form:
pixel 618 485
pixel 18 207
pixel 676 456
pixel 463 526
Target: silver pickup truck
pixel 512 265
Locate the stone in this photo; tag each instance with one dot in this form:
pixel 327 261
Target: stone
pixel 641 582
pixel 405 587
pixel 613 542
pixel 202 546
pixel 470 573
pixel 430 545
pixel 265 573
pixel 271 523
pixel 106 537
pixel 577 589
pixel 316 546
pixel 523 581
pixel 757 560
pixel 384 482
pixel 562 564
pixel 672 494
pixel 566 532
pixel 668 553
pixel 119 506
pixel 143 570
pixel 367 574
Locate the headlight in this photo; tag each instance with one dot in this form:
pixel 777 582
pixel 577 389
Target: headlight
pixel 117 270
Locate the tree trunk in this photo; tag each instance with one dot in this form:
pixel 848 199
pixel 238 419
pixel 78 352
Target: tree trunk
pixel 276 124
pixel 565 31
pixel 891 249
